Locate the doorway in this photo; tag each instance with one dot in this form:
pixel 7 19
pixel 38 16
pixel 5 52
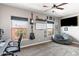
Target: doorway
pixel 50 28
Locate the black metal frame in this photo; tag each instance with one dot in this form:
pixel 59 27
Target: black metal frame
pixel 9 45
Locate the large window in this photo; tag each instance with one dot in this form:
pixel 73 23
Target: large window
pixel 19 25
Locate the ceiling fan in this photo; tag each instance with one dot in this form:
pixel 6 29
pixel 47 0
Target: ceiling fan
pixel 55 6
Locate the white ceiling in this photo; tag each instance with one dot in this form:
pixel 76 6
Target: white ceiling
pixel 69 9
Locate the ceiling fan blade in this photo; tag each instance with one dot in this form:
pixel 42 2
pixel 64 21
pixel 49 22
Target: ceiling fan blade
pixel 45 6
pixel 61 4
pixel 60 8
pixel 53 11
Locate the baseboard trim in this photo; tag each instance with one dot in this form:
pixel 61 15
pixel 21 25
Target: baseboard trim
pixel 35 44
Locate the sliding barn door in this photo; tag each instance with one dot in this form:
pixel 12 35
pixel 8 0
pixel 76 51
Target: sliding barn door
pixel 40 31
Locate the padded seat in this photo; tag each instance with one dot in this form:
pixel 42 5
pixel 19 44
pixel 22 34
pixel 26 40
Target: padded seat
pixel 12 49
pixel 58 38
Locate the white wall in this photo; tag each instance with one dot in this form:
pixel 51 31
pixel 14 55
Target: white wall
pixel 5 21
pixel 72 31
pixel 6 13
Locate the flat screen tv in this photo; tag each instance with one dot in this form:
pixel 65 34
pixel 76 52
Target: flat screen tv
pixel 69 21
